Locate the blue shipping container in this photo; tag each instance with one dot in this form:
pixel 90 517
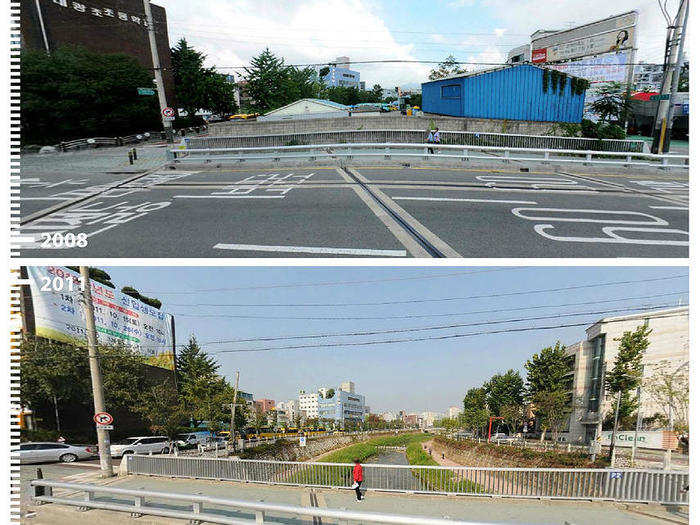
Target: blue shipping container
pixel 510 93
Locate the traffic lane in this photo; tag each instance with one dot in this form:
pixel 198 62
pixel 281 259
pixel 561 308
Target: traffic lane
pixel 45 190
pixel 499 223
pixel 677 188
pixel 258 176
pixel 189 223
pixel 486 178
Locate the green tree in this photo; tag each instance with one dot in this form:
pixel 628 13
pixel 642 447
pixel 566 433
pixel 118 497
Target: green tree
pixel 55 383
pixel 626 373
pixel 611 102
pixel 208 400
pixel 513 416
pixel 447 67
pixel 476 414
pixel 669 387
pixel 74 93
pixel 377 93
pixel 546 388
pixel 133 292
pixel 199 88
pixel 161 406
pixel 330 393
pixel 259 419
pixel 193 362
pixel 504 390
pixel 267 82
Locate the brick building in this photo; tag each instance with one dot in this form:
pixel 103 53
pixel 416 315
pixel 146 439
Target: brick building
pixel 107 26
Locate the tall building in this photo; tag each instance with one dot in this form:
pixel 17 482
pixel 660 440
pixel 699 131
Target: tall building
pixel 453 412
pixel 590 358
pixel 348 386
pixel 340 74
pixel 290 408
pixel 265 405
pixel 110 26
pixel 343 408
pixel 308 403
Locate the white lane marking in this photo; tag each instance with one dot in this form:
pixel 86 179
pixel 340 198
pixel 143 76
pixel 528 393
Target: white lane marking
pixel 311 249
pixel 669 207
pixel 654 220
pixel 228 196
pixel 613 237
pixel 450 199
pixel 44 198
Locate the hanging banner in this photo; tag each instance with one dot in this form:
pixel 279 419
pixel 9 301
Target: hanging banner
pixel 119 318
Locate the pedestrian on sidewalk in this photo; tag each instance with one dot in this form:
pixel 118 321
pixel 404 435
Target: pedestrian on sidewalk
pixel 433 138
pixel 357 477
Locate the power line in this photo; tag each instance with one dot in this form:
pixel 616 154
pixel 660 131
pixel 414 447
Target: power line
pixel 442 327
pixel 335 283
pixel 411 340
pixel 463 298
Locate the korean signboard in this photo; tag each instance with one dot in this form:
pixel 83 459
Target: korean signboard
pixel 119 318
pixel 659 439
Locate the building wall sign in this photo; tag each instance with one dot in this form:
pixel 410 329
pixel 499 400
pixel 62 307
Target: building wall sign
pixel 102 12
pixel 658 440
pixel 612 34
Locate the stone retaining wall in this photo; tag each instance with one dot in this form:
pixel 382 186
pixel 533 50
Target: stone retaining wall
pixel 391 121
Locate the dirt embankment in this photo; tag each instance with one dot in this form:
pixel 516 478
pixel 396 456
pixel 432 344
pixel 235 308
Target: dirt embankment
pixel 472 454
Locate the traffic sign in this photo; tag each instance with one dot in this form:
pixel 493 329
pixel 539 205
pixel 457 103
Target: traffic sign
pixel 168 112
pixel 660 97
pixel 146 91
pixel 103 418
pixel 168 119
pixel 302 441
pixel 105 427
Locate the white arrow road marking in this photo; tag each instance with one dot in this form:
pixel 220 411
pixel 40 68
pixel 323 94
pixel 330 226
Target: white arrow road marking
pixel 450 199
pixel 311 249
pixel 613 237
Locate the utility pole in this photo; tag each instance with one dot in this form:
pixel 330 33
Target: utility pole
pixel 167 126
pixel 596 448
pixel 676 78
pixel 636 427
pixel 233 413
pixel 95 374
pixel 613 437
pixel 661 135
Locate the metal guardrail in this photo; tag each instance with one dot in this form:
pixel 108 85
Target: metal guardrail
pixel 421 150
pixel 95 142
pixel 467 138
pixel 629 485
pixel 43 493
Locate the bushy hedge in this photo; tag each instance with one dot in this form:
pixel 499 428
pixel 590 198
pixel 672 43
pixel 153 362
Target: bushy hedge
pixel 526 457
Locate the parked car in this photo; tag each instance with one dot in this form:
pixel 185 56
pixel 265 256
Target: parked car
pixel 44 452
pixel 140 445
pixel 192 438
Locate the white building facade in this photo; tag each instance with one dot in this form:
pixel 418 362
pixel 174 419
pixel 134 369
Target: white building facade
pixel 591 358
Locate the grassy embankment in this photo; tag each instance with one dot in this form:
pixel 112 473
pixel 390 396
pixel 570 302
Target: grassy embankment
pixel 335 475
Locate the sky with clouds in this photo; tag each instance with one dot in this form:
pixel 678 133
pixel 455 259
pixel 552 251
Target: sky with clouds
pixel 230 32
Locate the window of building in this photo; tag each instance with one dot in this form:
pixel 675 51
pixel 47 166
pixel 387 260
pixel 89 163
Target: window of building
pixel 451 91
pixel 596 377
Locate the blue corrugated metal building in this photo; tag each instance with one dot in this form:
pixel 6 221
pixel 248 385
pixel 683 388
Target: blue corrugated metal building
pixel 508 93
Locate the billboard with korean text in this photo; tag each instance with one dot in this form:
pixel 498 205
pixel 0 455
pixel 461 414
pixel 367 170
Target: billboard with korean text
pixel 119 318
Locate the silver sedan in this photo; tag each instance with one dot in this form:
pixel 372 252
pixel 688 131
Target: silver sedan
pixel 46 452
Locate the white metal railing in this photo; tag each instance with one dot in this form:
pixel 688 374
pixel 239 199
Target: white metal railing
pixel 423 151
pixel 473 138
pixel 631 485
pixel 140 502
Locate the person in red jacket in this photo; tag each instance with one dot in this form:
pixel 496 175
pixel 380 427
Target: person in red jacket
pixel 357 478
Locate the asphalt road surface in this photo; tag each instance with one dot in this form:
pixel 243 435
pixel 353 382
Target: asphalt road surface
pixel 326 211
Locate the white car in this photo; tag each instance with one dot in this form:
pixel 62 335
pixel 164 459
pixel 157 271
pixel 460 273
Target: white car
pixel 192 438
pixel 44 452
pixel 140 445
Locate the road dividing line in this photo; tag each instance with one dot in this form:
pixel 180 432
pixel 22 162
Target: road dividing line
pixel 450 199
pixel 312 249
pixel 429 236
pixel 413 247
pixel 228 196
pixel 684 208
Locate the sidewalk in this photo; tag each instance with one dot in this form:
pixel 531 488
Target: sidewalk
pixel 488 510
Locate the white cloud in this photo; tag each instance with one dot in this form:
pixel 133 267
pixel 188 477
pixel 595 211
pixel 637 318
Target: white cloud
pixel 301 32
pixel 499 32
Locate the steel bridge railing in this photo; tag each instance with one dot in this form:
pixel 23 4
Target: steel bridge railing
pixel 347 152
pixel 628 485
pixel 467 138
pixel 141 502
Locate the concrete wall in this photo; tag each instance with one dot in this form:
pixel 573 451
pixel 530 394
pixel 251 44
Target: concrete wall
pixel 385 121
